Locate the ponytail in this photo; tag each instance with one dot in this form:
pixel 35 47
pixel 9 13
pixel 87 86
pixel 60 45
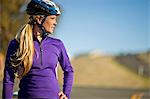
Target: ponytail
pixel 24 55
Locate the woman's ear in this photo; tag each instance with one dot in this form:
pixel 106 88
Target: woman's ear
pixel 39 19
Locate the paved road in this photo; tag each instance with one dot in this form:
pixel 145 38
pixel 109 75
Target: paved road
pixel 106 93
pixel 109 93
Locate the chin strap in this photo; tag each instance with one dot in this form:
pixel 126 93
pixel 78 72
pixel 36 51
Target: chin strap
pixel 44 32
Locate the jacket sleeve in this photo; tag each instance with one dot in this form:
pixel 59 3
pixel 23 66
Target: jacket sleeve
pixel 68 71
pixel 8 80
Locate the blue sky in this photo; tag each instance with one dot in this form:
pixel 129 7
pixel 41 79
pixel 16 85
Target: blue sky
pixel 110 26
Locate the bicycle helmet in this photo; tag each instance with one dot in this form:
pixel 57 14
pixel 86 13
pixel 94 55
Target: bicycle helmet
pixel 42 7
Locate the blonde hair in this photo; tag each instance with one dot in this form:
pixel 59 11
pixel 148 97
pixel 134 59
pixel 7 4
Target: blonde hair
pixel 24 55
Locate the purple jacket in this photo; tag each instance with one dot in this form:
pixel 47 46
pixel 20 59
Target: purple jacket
pixel 41 81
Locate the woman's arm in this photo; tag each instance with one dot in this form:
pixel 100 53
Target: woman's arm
pixel 8 80
pixel 68 71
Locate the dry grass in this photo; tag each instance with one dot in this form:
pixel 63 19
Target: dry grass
pixel 104 71
pixel 145 57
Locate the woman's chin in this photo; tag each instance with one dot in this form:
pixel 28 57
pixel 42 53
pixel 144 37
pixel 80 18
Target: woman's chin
pixel 50 32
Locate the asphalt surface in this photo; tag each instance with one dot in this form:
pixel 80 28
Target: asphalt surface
pixel 109 93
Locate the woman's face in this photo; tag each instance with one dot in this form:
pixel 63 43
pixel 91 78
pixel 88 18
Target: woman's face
pixel 50 23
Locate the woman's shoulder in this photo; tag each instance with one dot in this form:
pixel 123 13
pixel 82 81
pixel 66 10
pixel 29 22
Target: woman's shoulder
pixel 13 42
pixel 13 46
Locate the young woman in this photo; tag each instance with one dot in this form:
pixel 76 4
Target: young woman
pixel 33 55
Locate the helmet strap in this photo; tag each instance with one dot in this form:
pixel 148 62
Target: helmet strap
pixel 41 27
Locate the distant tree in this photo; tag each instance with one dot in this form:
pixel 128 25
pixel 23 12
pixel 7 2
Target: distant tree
pixel 10 21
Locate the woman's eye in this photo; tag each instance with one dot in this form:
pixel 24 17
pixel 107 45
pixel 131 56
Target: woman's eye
pixel 52 18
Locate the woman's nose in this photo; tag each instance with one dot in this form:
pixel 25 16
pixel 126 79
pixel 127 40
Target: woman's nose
pixel 55 23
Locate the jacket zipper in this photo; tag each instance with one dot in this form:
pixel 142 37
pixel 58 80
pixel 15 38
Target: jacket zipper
pixel 41 54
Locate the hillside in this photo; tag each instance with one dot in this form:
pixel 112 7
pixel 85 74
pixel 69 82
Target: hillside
pixel 106 71
pixel 138 63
